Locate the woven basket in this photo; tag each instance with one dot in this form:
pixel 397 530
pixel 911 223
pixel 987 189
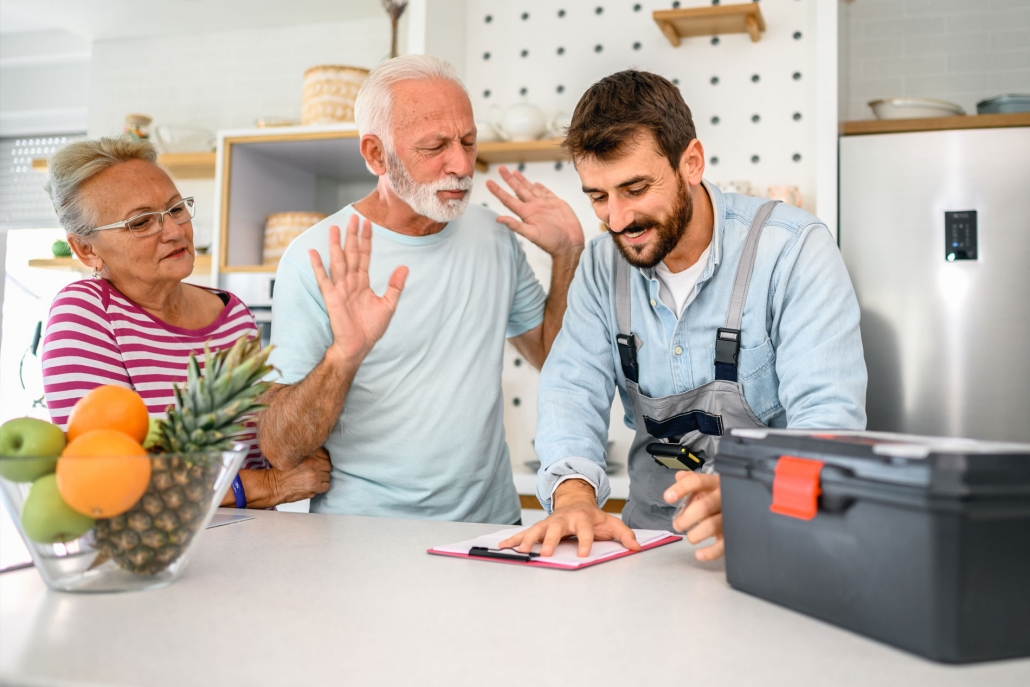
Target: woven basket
pixel 329 93
pixel 281 228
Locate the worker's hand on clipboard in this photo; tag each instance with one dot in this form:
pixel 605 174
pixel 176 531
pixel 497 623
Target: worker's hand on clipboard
pixel 575 515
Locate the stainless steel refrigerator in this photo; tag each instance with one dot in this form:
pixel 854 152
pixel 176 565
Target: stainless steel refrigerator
pixel 935 231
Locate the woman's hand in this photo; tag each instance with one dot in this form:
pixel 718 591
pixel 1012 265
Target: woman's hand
pixel 267 488
pixel 309 478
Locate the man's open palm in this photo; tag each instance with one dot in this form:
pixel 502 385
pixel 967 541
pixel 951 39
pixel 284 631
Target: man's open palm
pixel 358 316
pixel 543 218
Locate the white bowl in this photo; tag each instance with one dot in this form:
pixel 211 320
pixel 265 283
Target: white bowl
pixel 914 108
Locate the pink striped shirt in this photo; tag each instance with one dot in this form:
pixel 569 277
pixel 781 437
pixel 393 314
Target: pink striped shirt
pixel 96 336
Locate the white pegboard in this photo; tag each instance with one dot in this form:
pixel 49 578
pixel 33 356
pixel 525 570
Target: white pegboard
pixel 551 57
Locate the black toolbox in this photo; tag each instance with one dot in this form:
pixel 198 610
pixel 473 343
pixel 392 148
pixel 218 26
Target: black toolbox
pixel 919 542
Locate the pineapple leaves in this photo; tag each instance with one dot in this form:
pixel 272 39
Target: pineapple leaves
pixel 211 407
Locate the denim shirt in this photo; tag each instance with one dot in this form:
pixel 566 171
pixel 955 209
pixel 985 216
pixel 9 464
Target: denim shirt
pixel 801 362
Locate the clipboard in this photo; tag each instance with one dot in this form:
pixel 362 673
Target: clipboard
pixel 485 549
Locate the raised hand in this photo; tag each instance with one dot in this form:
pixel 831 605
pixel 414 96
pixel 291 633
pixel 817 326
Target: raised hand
pixel 357 316
pixel 543 218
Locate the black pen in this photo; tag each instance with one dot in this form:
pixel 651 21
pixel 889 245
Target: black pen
pixel 484 552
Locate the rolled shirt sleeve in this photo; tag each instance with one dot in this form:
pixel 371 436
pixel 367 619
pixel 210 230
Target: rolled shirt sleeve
pixel 577 385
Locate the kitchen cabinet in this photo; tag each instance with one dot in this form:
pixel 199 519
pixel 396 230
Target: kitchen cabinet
pixel 261 172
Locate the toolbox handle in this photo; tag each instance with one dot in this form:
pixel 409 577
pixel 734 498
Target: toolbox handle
pixel 827 497
pixel 796 487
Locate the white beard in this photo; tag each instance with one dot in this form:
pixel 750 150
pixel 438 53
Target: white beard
pixel 422 197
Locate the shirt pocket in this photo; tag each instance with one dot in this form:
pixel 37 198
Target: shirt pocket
pixel 756 371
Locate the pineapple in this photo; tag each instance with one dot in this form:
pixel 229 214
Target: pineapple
pixel 204 421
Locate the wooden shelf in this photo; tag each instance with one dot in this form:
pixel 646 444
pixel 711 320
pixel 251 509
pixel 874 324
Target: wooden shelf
pixel 201 264
pixel 179 165
pixel 249 268
pixel 497 152
pixel 897 126
pixel 710 21
pixel 189 165
pixel 67 264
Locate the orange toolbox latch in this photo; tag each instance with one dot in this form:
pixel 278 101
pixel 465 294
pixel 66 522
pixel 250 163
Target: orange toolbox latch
pixel 796 490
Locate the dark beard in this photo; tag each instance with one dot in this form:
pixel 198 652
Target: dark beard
pixel 668 232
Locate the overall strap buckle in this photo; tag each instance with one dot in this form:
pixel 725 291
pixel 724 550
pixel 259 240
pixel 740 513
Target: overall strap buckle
pixel 727 348
pixel 628 356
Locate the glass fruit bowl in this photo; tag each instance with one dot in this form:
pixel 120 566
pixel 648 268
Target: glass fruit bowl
pixel 145 514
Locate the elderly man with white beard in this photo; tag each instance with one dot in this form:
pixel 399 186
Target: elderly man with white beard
pixel 404 389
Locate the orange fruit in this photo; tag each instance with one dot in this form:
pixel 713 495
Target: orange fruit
pixel 110 407
pixel 103 473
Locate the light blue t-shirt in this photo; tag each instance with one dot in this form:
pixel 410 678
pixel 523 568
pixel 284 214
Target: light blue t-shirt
pixel 422 430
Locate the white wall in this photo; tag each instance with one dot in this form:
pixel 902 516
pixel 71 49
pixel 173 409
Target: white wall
pixel 956 50
pixel 224 79
pixel 628 38
pixel 44 83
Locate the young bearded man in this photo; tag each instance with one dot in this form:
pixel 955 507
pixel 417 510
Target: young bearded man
pixel 706 311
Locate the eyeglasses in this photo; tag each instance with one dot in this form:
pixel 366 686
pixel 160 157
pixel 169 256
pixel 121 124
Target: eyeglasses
pixel 149 223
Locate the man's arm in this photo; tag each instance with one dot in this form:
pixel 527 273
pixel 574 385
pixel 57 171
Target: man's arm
pixel 574 404
pixel 548 222
pixel 815 331
pixel 536 344
pixel 300 416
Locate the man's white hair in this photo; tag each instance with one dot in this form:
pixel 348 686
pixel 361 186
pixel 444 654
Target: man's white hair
pixel 374 103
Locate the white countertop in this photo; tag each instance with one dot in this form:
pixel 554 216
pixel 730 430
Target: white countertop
pixel 296 599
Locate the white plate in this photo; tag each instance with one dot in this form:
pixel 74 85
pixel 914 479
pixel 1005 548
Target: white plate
pixel 914 108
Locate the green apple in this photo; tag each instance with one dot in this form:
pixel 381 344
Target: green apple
pixel 47 519
pixel 29 448
pixel 153 434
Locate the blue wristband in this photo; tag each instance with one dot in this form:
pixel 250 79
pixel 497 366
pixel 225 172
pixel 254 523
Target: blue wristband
pixel 237 491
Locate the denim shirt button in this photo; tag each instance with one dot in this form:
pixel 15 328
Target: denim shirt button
pixel 678 350
pixel 653 303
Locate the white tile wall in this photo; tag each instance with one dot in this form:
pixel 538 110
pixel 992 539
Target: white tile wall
pixel 956 50
pixel 224 79
pixel 44 83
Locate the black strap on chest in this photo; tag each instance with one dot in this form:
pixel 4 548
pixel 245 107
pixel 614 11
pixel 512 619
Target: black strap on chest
pixel 727 338
pixel 628 356
pixel 727 348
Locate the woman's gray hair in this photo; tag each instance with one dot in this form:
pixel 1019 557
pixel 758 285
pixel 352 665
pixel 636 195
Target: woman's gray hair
pixel 78 162
pixel 374 103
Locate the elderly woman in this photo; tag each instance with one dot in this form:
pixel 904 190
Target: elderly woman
pixel 135 322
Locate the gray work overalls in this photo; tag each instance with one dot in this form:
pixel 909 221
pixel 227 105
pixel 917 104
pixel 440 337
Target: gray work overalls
pixel 694 419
